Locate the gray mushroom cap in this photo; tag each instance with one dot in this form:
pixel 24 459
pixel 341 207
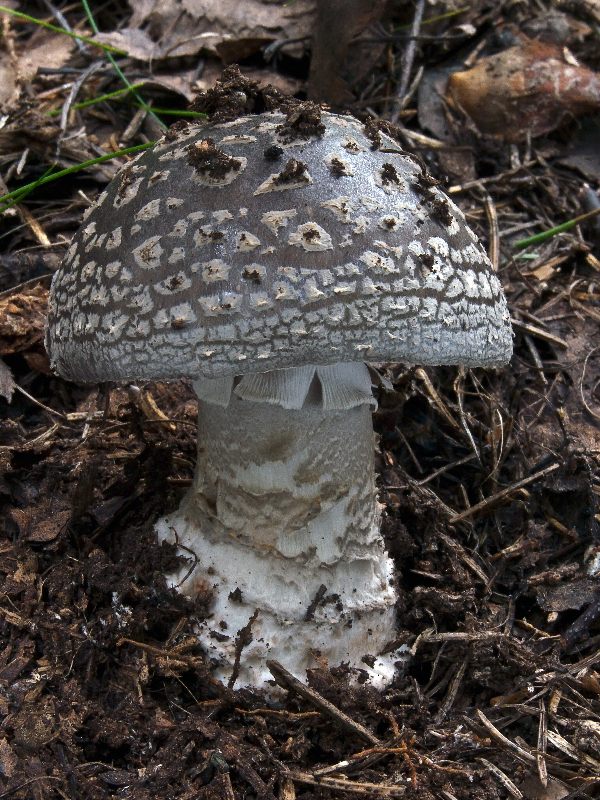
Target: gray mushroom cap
pixel 229 249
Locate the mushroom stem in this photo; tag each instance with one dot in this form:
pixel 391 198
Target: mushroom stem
pixel 283 520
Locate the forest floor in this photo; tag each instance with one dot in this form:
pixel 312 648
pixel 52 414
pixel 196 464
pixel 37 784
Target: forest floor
pixel 489 479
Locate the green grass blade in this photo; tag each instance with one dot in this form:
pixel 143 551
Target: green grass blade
pixel 565 226
pixel 17 195
pixel 57 29
pixel 174 112
pixel 100 99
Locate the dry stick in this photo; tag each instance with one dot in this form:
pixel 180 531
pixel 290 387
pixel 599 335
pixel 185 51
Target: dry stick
pixel 169 655
pixel 456 636
pixel 66 107
pixel 539 333
pixel 513 790
pixel 287 681
pixel 542 743
pixel 492 217
pixel 445 468
pixel 20 286
pixel 586 405
pixel 458 549
pixel 233 751
pixel 437 400
pixel 32 399
pixel 494 498
pixel 344 785
pixel 407 61
pixel 365 758
pixel 452 692
pixel 504 741
pixel 536 358
pixel 573 752
pixel 500 176
pixel 37 778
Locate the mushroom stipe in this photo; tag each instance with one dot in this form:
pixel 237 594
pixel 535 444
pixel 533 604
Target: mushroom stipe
pixel 268 258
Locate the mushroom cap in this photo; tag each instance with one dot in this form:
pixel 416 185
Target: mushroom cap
pixel 247 247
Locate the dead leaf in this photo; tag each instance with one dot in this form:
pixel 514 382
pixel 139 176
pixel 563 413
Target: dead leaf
pixel 135 42
pixel 431 104
pixel 587 736
pixel 23 266
pixel 569 596
pixel 7 382
pixel 227 28
pixel 457 163
pixel 44 49
pixel 18 659
pixel 42 523
pixel 22 319
pixel 532 87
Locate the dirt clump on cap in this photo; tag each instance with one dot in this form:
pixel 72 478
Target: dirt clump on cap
pixel 234 95
pixel 273 153
pixel 181 126
pixel 294 172
pixel 302 121
pixel 211 162
pixel 389 174
pixel 337 168
pixel 438 204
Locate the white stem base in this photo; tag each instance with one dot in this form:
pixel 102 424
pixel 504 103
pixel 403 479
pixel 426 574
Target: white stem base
pixel 284 522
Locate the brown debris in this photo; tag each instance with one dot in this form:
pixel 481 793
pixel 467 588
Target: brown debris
pixel 49 520
pixel 211 162
pixel 389 174
pixel 235 95
pixel 220 29
pixel 373 132
pixel 303 120
pixel 22 319
pixel 337 168
pixel 293 172
pixel 243 639
pixel 7 381
pixel 174 131
pixel 288 681
pixel 125 181
pixel 438 204
pixel 488 479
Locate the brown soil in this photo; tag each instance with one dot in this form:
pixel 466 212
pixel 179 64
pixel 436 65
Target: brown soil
pixel 489 481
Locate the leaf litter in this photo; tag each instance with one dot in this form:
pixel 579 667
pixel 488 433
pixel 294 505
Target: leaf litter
pixel 489 480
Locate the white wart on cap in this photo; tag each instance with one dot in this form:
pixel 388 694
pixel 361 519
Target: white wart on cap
pixel 236 247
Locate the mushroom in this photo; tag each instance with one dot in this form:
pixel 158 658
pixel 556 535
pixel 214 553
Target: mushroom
pixel 269 261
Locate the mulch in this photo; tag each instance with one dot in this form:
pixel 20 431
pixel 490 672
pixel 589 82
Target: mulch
pixel 489 480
